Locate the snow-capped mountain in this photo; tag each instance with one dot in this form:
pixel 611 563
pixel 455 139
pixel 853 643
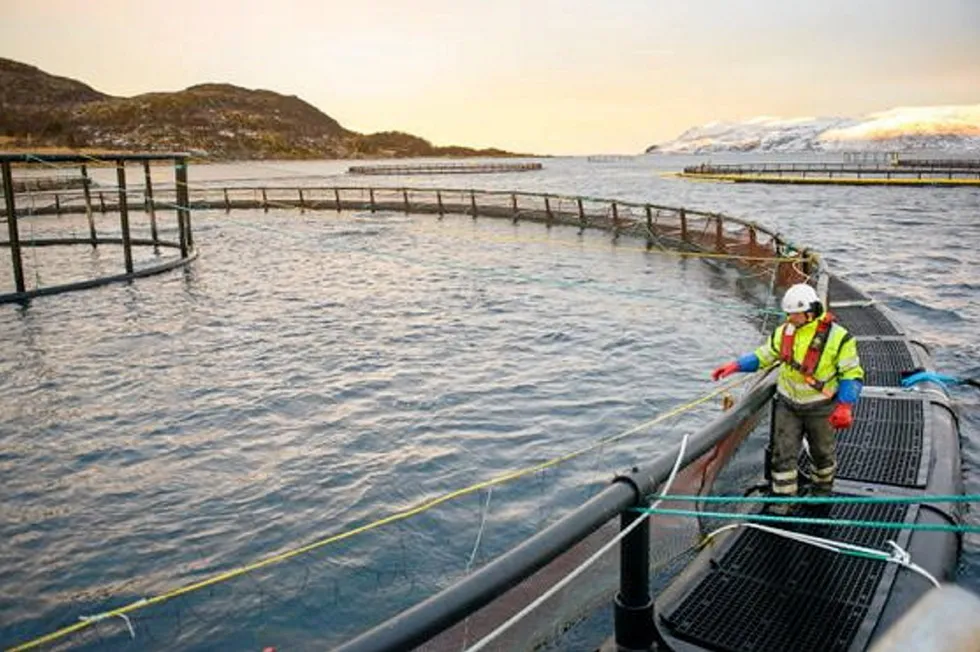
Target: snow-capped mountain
pixel 900 129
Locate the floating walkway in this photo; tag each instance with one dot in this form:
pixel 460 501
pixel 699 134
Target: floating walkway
pixel 609 158
pixel 444 168
pixel 953 163
pixel 907 173
pixel 756 590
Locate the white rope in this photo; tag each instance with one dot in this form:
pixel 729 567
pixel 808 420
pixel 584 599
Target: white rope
pixel 898 555
pixel 108 614
pixel 479 534
pixel 469 563
pixel 489 638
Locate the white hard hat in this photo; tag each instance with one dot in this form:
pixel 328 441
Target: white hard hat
pixel 801 298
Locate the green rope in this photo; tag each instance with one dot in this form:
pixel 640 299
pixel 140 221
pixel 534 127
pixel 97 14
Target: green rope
pixel 812 521
pixel 827 500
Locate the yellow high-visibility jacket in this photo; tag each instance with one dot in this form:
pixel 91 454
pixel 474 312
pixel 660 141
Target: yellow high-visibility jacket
pixel 838 362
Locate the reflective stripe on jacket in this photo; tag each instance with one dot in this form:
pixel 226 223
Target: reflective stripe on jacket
pixel 838 362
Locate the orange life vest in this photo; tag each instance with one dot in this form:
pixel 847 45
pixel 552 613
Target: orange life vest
pixel 813 353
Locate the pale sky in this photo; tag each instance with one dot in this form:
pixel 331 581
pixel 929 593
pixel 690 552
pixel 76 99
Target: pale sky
pixel 537 76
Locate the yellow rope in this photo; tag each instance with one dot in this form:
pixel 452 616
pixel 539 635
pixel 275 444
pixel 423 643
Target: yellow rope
pixel 412 511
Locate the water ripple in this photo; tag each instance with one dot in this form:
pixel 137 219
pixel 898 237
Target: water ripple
pixel 313 372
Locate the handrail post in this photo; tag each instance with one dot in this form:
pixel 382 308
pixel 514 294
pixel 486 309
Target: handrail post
pixel 180 188
pixel 15 255
pixel 408 207
pixel 633 606
pixel 439 201
pixel 473 203
pixel 87 192
pixel 547 210
pixel 649 212
pixel 148 198
pixel 581 216
pixel 124 215
pixel 188 227
pixel 371 195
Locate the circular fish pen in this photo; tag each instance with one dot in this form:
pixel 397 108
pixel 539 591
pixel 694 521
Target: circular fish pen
pixel 28 197
pixel 487 598
pixel 444 168
pixel 901 172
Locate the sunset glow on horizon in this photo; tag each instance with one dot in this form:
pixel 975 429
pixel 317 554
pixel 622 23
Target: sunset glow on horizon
pixel 548 77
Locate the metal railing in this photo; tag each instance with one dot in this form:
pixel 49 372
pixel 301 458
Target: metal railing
pixel 903 170
pixel 945 163
pixel 755 248
pixel 83 203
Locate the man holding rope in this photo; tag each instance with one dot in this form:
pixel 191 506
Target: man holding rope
pixel 820 380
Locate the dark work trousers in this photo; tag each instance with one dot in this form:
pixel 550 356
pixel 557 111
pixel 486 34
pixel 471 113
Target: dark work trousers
pixel 791 424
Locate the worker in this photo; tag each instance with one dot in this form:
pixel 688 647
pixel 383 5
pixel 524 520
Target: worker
pixel 819 382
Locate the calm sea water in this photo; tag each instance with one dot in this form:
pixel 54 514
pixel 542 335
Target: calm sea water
pixel 313 372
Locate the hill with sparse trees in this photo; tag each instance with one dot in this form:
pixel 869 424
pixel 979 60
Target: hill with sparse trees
pixel 39 110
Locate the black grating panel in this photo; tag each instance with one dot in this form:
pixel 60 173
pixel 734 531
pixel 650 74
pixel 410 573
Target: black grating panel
pixel 771 593
pixel 839 291
pixel 884 362
pixel 885 443
pixel 864 320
